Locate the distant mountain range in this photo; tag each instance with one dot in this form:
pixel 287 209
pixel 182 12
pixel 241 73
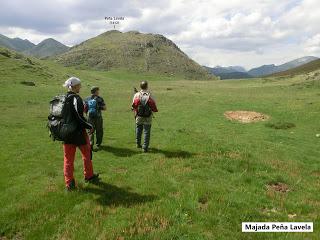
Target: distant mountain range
pixel 236 72
pixel 270 69
pixel 303 69
pixel 222 70
pixel 146 53
pixel 47 48
pixel 232 72
pixel 16 44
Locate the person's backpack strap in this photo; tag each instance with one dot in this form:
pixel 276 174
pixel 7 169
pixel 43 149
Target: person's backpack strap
pixel 70 96
pixel 81 120
pixel 93 106
pixel 144 109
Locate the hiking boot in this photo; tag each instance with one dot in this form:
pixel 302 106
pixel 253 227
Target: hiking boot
pixel 71 186
pixel 139 146
pixel 94 178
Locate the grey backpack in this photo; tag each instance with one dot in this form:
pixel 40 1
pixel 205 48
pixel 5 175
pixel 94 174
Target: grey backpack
pixel 58 128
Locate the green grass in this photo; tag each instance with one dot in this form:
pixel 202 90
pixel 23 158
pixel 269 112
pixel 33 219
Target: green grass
pixel 203 176
pixel 281 125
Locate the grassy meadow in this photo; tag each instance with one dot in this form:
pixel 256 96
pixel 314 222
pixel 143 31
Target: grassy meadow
pixel 204 174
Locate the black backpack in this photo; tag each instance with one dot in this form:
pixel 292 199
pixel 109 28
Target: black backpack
pixel 59 129
pixel 144 109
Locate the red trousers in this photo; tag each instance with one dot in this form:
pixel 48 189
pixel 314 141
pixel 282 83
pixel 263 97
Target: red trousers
pixel 69 155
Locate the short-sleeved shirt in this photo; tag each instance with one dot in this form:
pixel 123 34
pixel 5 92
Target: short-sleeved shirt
pixel 100 103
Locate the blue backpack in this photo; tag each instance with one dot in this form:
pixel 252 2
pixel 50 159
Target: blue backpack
pixel 92 107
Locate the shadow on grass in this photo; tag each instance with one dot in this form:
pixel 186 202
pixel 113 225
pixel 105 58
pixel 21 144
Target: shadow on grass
pixel 119 152
pixel 111 195
pixel 125 152
pixel 172 154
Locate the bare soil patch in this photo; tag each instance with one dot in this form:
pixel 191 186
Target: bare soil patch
pixel 278 187
pixel 246 116
pixel 316 173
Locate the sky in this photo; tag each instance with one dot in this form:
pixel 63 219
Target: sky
pixel 248 33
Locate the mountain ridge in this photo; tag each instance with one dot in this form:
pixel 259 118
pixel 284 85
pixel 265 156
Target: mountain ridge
pixel 47 48
pixel 272 68
pixel 231 72
pixel 303 69
pixel 133 51
pixel 16 44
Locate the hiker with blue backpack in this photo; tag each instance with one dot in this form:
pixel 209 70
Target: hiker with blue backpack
pixel 94 104
pixel 143 106
pixel 67 124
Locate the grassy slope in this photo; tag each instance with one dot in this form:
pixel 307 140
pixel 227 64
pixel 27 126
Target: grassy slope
pixel 203 177
pixel 135 51
pixel 306 68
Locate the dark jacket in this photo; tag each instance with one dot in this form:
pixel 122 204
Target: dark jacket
pixel 74 115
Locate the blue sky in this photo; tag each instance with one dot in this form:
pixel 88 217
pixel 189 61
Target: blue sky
pixel 235 32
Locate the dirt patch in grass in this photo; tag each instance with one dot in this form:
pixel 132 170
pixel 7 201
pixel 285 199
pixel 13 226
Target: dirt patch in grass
pixel 120 170
pixel 316 173
pixel 17 236
pixel 220 154
pixel 203 203
pixel 52 187
pixel 175 195
pixel 291 216
pixel 278 187
pixel 246 116
pixel 268 211
pixel 181 169
pixel 146 223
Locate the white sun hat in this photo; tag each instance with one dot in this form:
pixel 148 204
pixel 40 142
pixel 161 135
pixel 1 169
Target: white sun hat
pixel 71 82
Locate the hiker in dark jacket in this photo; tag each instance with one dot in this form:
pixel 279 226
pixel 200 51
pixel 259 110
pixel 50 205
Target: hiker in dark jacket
pixel 79 138
pixel 94 104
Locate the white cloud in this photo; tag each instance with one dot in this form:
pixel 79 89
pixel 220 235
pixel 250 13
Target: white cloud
pixel 312 45
pixel 234 32
pixel 212 57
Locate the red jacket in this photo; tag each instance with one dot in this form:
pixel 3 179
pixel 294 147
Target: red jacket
pixel 152 104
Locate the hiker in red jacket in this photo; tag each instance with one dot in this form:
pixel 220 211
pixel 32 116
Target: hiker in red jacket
pixel 79 138
pixel 144 106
